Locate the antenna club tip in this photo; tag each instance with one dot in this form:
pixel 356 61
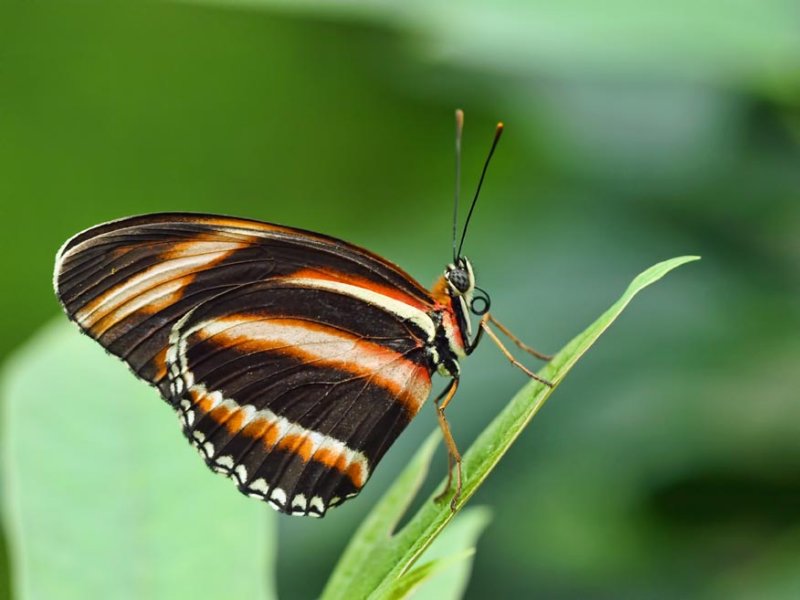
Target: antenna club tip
pixel 459 116
pixel 498 131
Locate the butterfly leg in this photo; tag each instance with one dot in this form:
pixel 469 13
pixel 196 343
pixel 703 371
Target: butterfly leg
pixel 485 327
pixel 522 345
pixel 453 455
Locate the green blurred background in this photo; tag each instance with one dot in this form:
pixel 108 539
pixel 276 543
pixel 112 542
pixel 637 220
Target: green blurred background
pixel 668 464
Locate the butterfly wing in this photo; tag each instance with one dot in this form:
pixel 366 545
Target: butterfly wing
pixel 296 407
pixel 294 359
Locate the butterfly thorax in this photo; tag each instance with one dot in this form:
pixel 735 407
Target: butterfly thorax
pixel 453 294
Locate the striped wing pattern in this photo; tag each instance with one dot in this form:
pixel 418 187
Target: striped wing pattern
pixel 294 360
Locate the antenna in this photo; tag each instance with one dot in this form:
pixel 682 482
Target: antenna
pixel 497 133
pixel 459 130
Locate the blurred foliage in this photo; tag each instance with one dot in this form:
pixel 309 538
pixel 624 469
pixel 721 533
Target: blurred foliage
pixel 669 467
pixel 103 496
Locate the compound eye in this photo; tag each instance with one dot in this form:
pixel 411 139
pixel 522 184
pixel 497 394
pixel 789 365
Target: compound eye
pixel 460 279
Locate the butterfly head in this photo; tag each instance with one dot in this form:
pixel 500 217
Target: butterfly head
pixel 460 280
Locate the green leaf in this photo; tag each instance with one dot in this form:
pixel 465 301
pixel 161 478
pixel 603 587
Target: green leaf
pixel 104 498
pixel 354 578
pixel 447 564
pixel 350 579
pixel 375 559
pixel 411 581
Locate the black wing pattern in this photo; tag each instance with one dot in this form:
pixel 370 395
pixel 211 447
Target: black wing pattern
pixel 294 359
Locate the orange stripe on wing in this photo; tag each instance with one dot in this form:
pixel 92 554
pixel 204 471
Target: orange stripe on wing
pixel 339 277
pixel 243 224
pixel 303 447
pixel 278 433
pixel 160 365
pixel 158 286
pixel 323 346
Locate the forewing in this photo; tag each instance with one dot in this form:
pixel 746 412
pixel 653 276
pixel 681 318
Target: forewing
pixel 126 283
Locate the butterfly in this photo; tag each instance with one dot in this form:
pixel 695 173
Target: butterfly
pixel 293 359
